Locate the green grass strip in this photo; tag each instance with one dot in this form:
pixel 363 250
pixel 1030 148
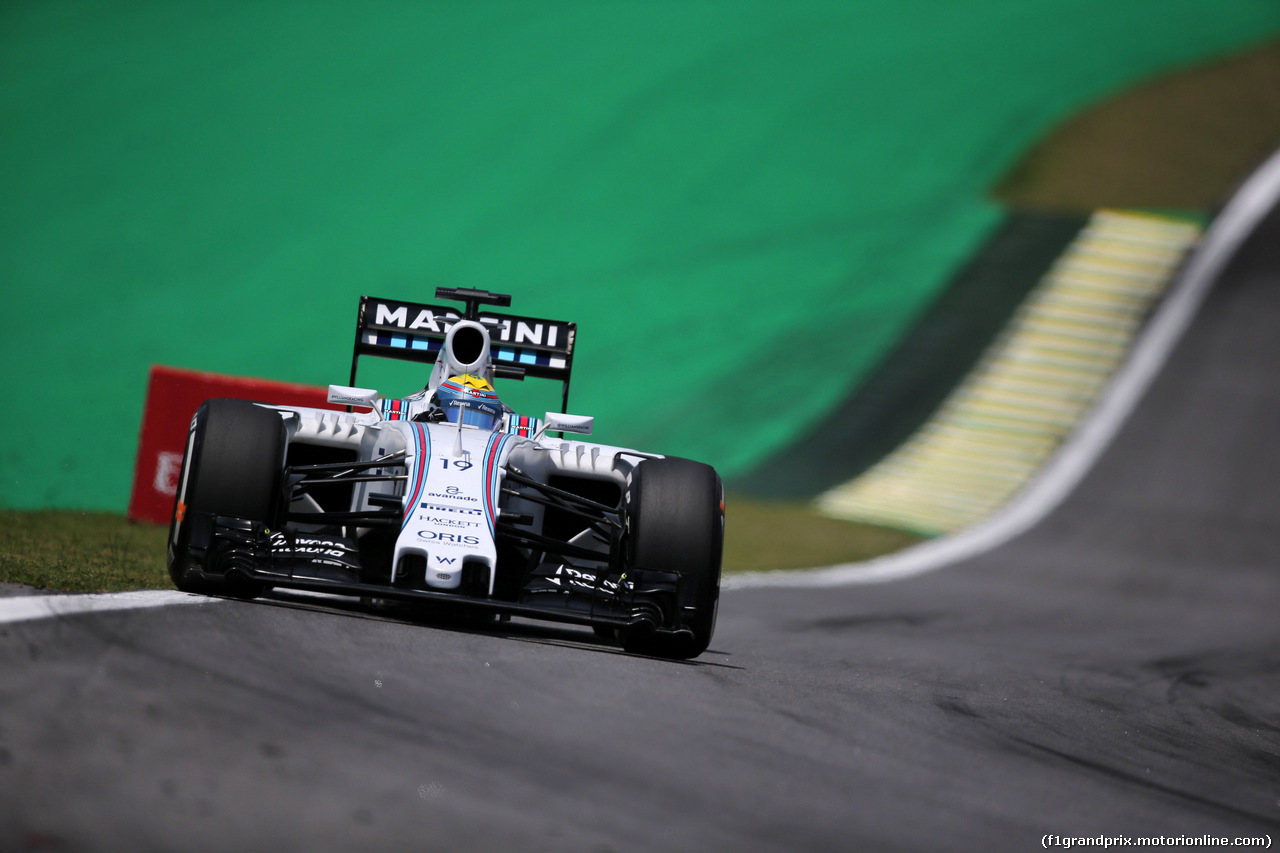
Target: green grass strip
pixel 81 551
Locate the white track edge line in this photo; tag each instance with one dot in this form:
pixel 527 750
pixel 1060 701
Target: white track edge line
pixel 22 608
pixel 1238 219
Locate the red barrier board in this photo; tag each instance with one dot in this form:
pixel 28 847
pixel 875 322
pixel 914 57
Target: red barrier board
pixel 173 395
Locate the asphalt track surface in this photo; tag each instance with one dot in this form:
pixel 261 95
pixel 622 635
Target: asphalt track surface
pixel 1115 671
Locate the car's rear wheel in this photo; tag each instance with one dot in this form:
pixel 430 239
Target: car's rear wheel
pixel 675 522
pixel 233 465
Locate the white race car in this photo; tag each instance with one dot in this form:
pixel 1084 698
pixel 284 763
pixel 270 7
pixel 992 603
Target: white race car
pixel 448 497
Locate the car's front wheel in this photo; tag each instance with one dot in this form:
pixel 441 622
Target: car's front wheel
pixel 232 467
pixel 675 522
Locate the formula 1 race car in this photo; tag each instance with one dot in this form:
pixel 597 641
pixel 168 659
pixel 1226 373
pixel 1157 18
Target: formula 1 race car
pixel 449 499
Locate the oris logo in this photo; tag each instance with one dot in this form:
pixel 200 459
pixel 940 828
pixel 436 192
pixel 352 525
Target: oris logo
pixel 449 538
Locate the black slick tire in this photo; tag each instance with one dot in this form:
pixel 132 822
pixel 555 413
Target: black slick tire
pixel 232 467
pixel 675 522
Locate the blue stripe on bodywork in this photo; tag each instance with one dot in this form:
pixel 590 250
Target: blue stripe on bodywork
pixel 418 473
pixel 492 453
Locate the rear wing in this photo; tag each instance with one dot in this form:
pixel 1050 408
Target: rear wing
pixel 519 346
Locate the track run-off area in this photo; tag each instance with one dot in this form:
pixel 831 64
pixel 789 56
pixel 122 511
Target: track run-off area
pixel 1111 669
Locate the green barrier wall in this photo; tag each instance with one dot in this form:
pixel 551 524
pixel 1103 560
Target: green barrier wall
pixel 743 205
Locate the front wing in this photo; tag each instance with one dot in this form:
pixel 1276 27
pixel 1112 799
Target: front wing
pixel 242 554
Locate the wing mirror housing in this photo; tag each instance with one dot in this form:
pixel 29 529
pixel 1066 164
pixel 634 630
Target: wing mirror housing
pixel 345 395
pixel 580 424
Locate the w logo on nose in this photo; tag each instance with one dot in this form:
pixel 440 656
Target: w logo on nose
pixel 448 561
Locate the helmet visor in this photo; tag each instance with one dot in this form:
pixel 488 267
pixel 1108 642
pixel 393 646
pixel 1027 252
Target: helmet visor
pixel 476 413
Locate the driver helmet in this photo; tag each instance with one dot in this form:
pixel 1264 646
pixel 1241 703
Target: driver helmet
pixel 469 400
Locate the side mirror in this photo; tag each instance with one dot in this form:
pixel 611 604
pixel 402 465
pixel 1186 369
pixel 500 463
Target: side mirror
pixel 570 423
pixel 344 395
pixel 581 424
